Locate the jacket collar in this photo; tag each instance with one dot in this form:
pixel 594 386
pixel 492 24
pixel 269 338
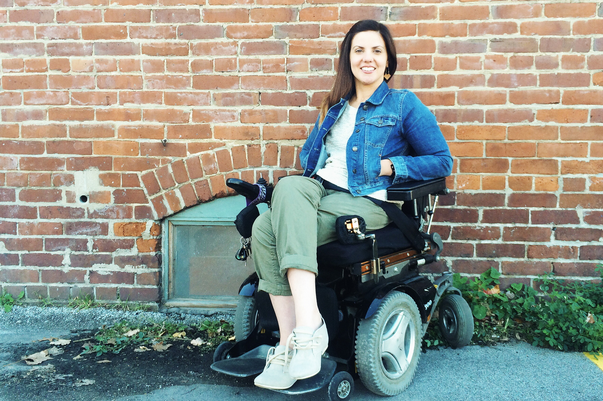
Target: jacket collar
pixel 376 98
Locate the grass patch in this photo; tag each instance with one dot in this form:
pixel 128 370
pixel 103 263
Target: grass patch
pixel 205 336
pixel 564 315
pixel 7 301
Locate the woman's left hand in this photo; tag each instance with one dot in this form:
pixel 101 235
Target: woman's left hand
pixel 386 167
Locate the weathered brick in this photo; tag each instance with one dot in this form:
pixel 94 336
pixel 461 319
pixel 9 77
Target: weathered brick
pixel 137 294
pixel 111 277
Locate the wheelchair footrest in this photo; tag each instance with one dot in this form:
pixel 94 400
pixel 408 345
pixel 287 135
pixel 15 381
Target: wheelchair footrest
pixel 249 364
pixel 314 383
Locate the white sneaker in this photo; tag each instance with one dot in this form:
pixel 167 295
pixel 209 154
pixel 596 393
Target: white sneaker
pixel 276 373
pixel 308 347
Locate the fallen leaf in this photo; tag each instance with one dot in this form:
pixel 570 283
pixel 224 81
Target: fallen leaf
pixel 493 290
pixel 590 318
pixel 111 341
pixel 179 334
pixel 54 351
pixel 37 358
pixel 84 382
pixel 60 342
pixel 197 342
pixel 104 361
pixel 159 347
pixel 132 333
pixel 232 338
pixel 142 348
pixel 79 356
pixel 48 339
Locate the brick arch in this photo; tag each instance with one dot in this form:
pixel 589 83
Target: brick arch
pixel 200 178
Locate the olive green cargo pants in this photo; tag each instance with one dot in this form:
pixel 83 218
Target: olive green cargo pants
pixel 302 217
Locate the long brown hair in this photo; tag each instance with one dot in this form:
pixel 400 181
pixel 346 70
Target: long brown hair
pixel 344 80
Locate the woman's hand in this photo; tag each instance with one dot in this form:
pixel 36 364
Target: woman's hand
pixel 386 167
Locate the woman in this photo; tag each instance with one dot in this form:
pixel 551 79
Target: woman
pixel 366 138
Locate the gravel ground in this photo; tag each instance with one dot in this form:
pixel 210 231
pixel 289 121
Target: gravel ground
pixel 70 319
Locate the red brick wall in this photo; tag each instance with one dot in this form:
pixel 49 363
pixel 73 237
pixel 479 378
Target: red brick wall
pixel 146 106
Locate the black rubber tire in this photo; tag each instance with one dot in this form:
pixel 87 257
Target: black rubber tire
pixel 388 345
pixel 341 386
pixel 246 317
pixel 222 350
pixel 455 321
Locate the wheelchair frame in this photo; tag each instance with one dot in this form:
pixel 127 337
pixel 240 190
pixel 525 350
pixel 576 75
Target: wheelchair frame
pixel 360 291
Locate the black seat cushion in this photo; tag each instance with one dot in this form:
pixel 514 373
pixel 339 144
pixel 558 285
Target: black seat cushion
pixel 335 254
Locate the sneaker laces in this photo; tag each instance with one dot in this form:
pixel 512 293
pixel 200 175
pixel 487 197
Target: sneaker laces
pixel 277 359
pixel 310 342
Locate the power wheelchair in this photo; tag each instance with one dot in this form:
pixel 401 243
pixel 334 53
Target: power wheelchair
pixel 375 303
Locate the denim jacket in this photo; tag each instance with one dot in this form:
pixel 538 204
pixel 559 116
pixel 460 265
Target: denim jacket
pixel 392 124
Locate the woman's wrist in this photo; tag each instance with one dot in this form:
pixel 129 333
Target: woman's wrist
pixel 387 168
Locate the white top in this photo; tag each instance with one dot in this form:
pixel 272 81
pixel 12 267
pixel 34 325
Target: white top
pixel 335 169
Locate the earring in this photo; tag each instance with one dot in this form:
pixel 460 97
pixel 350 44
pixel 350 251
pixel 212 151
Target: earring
pixel 387 75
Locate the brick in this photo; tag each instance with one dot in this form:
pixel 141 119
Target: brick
pixel 538 96
pixel 587 201
pixel 112 212
pixel 512 149
pixel 516 251
pixel 61 212
pixel 473 266
pixel 525 267
pixel 128 15
pixel 64 244
pixel 563 44
pixel 40 195
pixel 113 277
pixel 456 12
pixel 149 245
pixel 236 133
pixel 80 16
pixel 575 10
pixel 238 15
pixel 578 234
pixel 591 252
pixel 468 97
pixel 545 28
pixel 461 115
pixel 9 259
pixel 104 32
pixel 550 150
pixel 563 116
pixel 475 233
pixel 517 11
pixel 574 269
pixel 86 228
pixel 462 46
pixel 565 79
pixel 484 166
pixel 509 116
pixel 84 163
pixel 139 294
pixel 506 216
pixel 42 260
pixel 177 16
pixel 514 45
pixel 38 16
pixel 318 14
pixel 112 245
pixel 132 229
pixel 19 276
pixel 20 82
pixel 69 49
pixel 527 234
pixel 532 200
pixel 552 252
pixel 69 147
pixel 583 97
pixel 41 228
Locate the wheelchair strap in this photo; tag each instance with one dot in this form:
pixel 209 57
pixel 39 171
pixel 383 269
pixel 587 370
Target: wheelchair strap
pixel 400 219
pixel 404 224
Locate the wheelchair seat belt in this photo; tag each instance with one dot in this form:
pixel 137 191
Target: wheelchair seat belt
pixel 400 219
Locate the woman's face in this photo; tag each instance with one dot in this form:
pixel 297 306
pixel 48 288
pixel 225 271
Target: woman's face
pixel 368 58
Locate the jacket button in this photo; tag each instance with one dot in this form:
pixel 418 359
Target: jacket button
pixel 355 149
pixel 361 118
pixel 365 107
pixel 354 171
pixel 357 191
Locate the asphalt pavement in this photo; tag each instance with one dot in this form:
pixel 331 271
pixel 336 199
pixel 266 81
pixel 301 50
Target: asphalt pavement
pixel 511 371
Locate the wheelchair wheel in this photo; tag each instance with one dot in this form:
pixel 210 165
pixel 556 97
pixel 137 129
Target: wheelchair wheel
pixel 246 317
pixel 222 350
pixel 456 321
pixel 388 345
pixel 341 386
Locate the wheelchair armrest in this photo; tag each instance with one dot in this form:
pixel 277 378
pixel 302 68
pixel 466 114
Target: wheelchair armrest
pixel 410 190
